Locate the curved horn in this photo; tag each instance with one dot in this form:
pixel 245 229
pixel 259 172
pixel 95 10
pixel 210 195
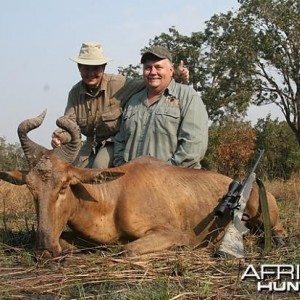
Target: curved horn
pixel 30 148
pixel 68 151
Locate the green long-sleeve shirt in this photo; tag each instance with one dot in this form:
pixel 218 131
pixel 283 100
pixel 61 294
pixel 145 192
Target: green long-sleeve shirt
pixel 173 129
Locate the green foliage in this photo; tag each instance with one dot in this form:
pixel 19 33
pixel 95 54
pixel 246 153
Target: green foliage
pixel 255 54
pixel 131 72
pixel 11 156
pixel 232 146
pixel 282 156
pixel 229 85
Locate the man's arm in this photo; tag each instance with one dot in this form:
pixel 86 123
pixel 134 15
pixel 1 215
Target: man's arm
pixel 119 146
pixel 193 134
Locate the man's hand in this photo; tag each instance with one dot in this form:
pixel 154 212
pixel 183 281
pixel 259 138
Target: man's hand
pixel 56 141
pixel 60 137
pixel 183 72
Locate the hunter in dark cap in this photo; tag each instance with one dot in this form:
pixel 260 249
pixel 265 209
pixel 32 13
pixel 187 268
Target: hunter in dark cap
pixel 166 119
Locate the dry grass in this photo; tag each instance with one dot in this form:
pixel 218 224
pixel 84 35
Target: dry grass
pixel 102 273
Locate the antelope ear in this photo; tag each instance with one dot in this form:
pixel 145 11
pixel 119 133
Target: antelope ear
pixel 15 177
pixel 93 176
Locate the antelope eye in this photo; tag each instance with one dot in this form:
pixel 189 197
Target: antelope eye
pixel 63 189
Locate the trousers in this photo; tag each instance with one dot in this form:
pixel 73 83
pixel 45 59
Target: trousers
pixel 103 158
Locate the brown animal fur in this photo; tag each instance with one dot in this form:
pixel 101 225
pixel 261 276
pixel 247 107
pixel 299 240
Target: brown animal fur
pixel 146 204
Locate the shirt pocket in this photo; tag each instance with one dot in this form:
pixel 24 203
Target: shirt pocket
pixel 84 127
pixel 110 122
pixel 167 120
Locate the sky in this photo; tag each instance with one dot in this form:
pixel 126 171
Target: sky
pixel 37 38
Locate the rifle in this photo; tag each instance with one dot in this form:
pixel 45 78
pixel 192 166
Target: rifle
pixel 235 201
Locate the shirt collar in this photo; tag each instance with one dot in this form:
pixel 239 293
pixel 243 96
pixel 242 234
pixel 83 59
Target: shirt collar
pixel 169 91
pixel 102 87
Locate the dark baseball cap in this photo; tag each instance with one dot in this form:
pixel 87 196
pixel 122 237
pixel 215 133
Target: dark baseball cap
pixel 156 51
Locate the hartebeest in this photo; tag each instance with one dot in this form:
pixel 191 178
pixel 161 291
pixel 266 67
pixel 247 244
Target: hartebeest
pixel 146 204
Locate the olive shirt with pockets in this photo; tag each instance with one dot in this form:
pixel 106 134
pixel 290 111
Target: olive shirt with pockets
pixel 98 112
pixel 173 129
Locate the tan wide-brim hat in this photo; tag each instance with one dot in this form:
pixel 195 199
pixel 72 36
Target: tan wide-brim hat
pixel 91 53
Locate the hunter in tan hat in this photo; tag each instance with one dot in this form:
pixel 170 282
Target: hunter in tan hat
pixel 95 104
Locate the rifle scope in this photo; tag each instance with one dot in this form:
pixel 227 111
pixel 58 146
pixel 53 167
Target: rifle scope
pixel 229 198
